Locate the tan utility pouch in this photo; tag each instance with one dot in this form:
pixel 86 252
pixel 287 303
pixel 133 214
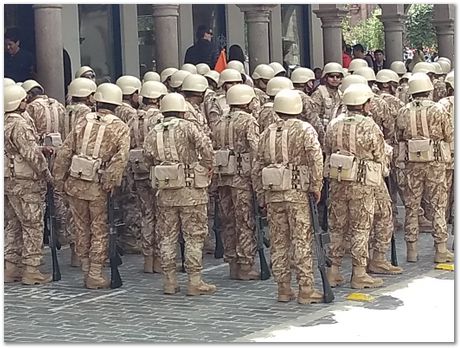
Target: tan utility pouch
pixel 170 176
pixel 85 168
pixel 373 173
pixel 343 167
pixel 420 150
pixel 277 177
pixel 225 162
pixel 137 161
pixel 21 168
pixel 202 178
pixel 244 164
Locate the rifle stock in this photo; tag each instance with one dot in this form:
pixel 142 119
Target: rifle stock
pixel 114 255
pixel 394 256
pixel 264 269
pixel 219 249
pixel 182 251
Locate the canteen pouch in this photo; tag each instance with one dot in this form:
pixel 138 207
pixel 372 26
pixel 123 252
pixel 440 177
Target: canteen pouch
pixel 277 177
pixel 244 164
pixel 374 174
pixel 202 177
pixel 420 150
pixel 137 161
pixel 85 168
pixel 170 176
pixel 18 168
pixel 52 139
pixel 343 167
pixel 225 162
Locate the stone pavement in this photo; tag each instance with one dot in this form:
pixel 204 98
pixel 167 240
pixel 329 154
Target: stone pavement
pixel 138 312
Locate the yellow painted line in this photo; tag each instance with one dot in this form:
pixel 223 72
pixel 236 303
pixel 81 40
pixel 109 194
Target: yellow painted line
pixel 357 296
pixel 445 266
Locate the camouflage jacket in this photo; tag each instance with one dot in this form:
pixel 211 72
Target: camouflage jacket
pixel 310 116
pixel 381 113
pixel 439 90
pixel 266 116
pixel 324 101
pixel 125 112
pixel 448 103
pixel 74 112
pixel 48 115
pixel 194 115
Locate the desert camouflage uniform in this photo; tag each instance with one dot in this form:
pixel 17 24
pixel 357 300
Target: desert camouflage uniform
pixel 266 116
pixel 440 90
pixel 194 115
pixel 235 191
pixel 289 218
pixel 262 96
pixel 402 93
pixel 74 112
pixel 182 209
pixel 351 204
pixel 24 209
pixel 324 107
pixel 428 178
pixel 216 107
pixel 311 117
pixel 87 199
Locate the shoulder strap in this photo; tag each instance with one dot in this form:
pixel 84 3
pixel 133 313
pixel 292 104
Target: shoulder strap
pixel 426 132
pixel 54 115
pixel 86 134
pixel 99 137
pixel 352 144
pixel 413 122
pixel 284 145
pixel 135 128
pixel 160 144
pixel 171 138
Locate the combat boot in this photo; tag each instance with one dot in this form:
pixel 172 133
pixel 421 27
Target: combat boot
pixel 285 292
pixel 13 273
pixel 307 295
pixel 234 270
pixel 442 254
pixel 33 276
pixel 148 264
pixel 170 285
pixel 157 265
pixel 379 265
pixel 361 280
pixel 334 277
pixel 85 268
pixel 247 273
pixel 74 259
pixel 411 251
pixel 196 286
pixel 96 278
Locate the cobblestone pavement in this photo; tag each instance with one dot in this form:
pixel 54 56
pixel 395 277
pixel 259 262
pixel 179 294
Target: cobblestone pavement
pixel 65 311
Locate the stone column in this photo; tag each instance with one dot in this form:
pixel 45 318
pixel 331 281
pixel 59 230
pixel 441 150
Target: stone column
pixel 445 34
pixel 166 36
pixel 257 17
pixel 393 26
pixel 331 19
pixel 49 49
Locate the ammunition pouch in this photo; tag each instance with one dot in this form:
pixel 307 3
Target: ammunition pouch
pixel 343 167
pixel 225 162
pixel 277 177
pixel 15 166
pixel 420 150
pixel 85 168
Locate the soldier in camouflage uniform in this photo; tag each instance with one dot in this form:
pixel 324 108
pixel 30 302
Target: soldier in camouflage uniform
pixel 235 139
pixel 261 75
pixel 105 138
pixel 26 175
pixel 129 238
pixel 353 139
pixel 193 89
pixel 427 130
pixel 402 91
pixel 290 144
pixel 151 92
pixel 174 147
pixel 165 77
pixel 278 69
pixel 177 79
pixel 440 88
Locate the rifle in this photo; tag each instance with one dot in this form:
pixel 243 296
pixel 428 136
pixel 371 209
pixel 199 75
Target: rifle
pixel 50 218
pixel 219 249
pixel 394 256
pixel 321 239
pixel 182 250
pixel 264 270
pixel 114 252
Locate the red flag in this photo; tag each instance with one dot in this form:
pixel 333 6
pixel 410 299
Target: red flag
pixel 221 63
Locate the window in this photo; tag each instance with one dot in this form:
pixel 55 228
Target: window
pixel 146 29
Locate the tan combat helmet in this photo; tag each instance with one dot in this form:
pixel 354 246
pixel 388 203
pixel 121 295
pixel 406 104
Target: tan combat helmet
pixel 277 68
pixel 109 93
pixel 398 67
pixel 332 68
pixel 445 66
pixel 387 75
pixel 263 71
pixel 240 95
pixel 195 83
pixel 350 80
pixel 213 75
pixel 29 84
pixel 366 72
pixel 178 78
pixel 86 70
pixel 191 68
pixel 13 95
pixel 129 84
pixel 236 65
pixel 437 68
pixel 153 90
pixel 8 82
pixel 357 94
pixel 173 102
pixel 81 87
pixel 288 102
pixel 202 68
pixel 423 67
pixel 167 73
pixel 450 79
pixel 357 63
pixel 406 76
pixel 445 59
pixel 278 83
pixel 151 76
pixel 302 75
pixel 419 83
pixel 229 75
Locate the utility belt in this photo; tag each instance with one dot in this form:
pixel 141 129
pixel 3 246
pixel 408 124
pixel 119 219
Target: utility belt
pixel 15 166
pixel 284 177
pixel 169 176
pixel 229 163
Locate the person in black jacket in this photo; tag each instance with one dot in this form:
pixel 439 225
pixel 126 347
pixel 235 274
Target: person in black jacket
pixel 202 50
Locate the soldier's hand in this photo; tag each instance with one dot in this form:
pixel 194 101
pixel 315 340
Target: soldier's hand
pixel 107 187
pixel 47 150
pixel 317 196
pixel 210 172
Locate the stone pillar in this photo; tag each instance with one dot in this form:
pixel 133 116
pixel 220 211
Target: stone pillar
pixel 49 49
pixel 331 19
pixel 445 34
pixel 393 26
pixel 166 36
pixel 257 18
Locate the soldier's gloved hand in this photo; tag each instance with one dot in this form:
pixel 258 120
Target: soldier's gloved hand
pixel 317 196
pixel 48 177
pixel 47 150
pixel 107 187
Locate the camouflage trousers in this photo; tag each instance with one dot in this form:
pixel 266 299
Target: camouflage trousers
pixel 290 238
pixel 429 181
pixel 91 228
pixel 394 190
pixel 351 210
pixel 24 228
pixel 192 221
pixel 450 194
pixel 64 219
pixel 401 182
pixel 147 207
pixel 382 228
pixel 236 213
pixel 129 237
